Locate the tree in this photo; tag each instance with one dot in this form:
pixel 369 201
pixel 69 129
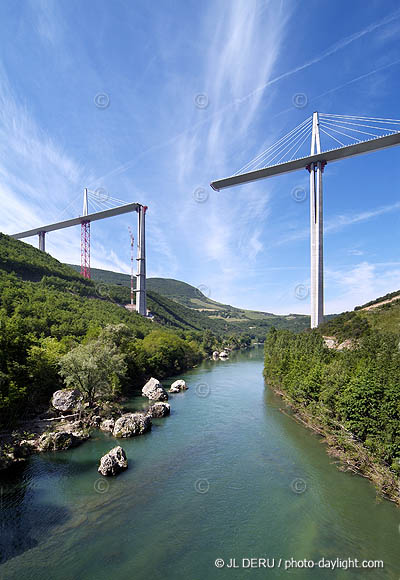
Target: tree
pixel 95 369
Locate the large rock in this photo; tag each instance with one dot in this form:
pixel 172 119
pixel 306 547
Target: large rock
pixel 159 409
pixel 215 354
pixel 132 424
pixel 113 462
pixel 66 399
pixel 223 354
pixel 107 425
pixel 178 386
pixel 61 440
pixel 154 390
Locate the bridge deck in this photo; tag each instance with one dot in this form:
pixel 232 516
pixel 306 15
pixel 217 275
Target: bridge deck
pixel 76 221
pixel 328 156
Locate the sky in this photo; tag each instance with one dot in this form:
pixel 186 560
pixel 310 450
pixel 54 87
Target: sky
pixel 151 101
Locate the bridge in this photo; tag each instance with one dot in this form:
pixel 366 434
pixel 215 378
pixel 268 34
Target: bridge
pixel 354 136
pixel 84 221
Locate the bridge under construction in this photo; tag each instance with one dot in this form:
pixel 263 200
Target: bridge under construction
pixel 84 221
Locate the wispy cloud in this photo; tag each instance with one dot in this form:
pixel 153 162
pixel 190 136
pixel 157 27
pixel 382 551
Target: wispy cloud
pixel 339 222
pixel 359 284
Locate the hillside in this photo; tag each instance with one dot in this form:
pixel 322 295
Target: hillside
pixel 350 391
pixel 381 314
pixel 48 310
pixel 221 317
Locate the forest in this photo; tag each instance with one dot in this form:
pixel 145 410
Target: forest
pixel 47 310
pixel 353 393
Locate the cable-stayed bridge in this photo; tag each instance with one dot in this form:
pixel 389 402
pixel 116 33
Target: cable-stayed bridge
pixel 332 138
pixel 106 207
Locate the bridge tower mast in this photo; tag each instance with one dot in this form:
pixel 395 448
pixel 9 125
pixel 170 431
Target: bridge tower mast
pixel 316 228
pixel 132 244
pixel 141 306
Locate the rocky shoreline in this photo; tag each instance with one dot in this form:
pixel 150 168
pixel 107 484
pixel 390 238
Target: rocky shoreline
pixel 69 423
pixel 351 454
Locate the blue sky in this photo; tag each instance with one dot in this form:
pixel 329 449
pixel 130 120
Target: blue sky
pixel 195 90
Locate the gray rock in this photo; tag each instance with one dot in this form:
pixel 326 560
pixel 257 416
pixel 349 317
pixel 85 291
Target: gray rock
pixel 107 425
pixel 178 386
pixel 113 462
pixel 61 440
pixel 159 409
pixel 215 354
pixel 154 390
pixel 223 354
pixel 66 399
pixel 132 424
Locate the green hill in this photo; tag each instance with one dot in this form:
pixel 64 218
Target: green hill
pixel 48 309
pixel 221 317
pixel 381 314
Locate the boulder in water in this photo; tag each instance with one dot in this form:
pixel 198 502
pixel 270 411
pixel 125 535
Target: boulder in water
pixel 132 424
pixel 107 425
pixel 113 462
pixel 178 386
pixel 159 409
pixel 154 390
pixel 61 440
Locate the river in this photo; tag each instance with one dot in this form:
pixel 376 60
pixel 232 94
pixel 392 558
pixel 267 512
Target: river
pixel 227 475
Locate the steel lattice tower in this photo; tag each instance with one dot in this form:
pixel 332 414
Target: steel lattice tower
pixel 85 239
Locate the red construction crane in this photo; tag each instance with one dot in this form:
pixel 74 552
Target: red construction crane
pixel 85 239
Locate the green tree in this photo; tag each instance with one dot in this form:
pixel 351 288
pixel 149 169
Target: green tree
pixel 95 369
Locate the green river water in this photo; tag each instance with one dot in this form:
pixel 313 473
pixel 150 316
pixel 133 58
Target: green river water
pixel 227 475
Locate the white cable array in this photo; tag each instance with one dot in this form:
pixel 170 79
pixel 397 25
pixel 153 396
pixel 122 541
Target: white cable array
pixel 305 133
pixel 269 160
pixel 341 126
pixel 332 137
pixel 347 123
pixel 263 156
pixel 103 201
pixel 352 127
pixel 354 117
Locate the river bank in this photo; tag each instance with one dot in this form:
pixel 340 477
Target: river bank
pixel 341 444
pixel 44 431
pixel 227 475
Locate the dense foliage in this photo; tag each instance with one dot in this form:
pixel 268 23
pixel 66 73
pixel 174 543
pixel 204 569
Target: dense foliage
pixel 48 311
pixel 388 296
pixel 199 310
pixel 358 389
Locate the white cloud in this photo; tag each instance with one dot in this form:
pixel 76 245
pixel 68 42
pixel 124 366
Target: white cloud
pixel 360 284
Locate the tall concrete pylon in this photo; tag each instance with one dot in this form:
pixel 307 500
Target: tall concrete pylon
pixel 386 134
pixel 141 306
pixel 316 229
